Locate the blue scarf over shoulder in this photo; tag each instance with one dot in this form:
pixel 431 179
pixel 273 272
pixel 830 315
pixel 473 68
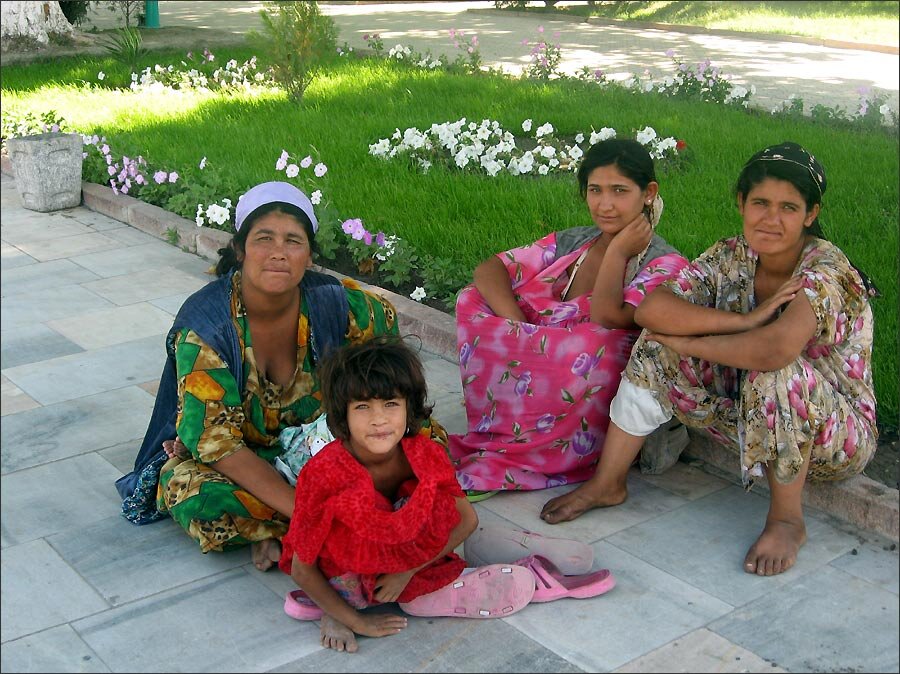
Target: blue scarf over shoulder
pixel 208 313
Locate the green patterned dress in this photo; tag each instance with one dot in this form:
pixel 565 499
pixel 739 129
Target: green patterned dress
pixel 217 416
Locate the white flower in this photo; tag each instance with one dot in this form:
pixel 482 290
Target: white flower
pixel 305 162
pixel 320 170
pixel 544 130
pixel 575 153
pixel 217 214
pixel 315 197
pixel 579 138
pixel 645 135
pixel 603 134
pixel 101 75
pixel 526 125
pixel 885 110
pixel 203 163
pixel 292 170
pixel 543 169
pixel 418 294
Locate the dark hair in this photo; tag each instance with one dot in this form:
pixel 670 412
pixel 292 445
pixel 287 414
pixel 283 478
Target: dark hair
pixel 629 156
pixel 757 171
pixel 228 256
pixel 384 367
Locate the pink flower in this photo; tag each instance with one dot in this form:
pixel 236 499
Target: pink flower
pixel 826 433
pixel 818 351
pixel 680 400
pixel 770 408
pixel 855 367
pixel 688 372
pixel 867 409
pixel 540 29
pixel 796 396
pixel 850 444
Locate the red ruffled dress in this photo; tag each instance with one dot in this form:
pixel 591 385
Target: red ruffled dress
pixel 346 526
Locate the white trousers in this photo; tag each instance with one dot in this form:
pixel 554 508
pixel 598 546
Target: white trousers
pixel 636 411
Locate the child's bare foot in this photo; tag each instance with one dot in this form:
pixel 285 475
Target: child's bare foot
pixel 775 551
pixel 337 635
pixel 577 502
pixel 266 553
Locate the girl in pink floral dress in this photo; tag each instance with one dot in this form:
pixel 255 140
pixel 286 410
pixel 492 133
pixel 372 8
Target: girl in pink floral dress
pixel 545 331
pixel 765 341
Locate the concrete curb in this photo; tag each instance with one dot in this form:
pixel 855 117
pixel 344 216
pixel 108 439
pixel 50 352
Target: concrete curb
pixel 679 28
pixel 859 501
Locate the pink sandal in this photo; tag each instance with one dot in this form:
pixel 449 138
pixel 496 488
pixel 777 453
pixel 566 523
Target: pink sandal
pixel 552 584
pixel 494 591
pixel 299 606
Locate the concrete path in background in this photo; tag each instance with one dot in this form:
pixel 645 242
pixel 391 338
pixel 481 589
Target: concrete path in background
pixel 778 68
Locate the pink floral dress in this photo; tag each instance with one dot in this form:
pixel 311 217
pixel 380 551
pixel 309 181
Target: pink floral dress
pixel 537 393
pixel 823 403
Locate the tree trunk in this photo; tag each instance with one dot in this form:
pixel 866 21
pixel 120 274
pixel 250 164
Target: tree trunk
pixel 31 20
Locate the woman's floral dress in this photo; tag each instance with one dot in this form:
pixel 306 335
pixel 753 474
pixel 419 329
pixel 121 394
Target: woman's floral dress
pixel 821 404
pixel 537 393
pixel 218 416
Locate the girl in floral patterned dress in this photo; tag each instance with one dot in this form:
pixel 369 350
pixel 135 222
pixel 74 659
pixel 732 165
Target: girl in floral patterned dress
pixel 765 341
pixel 545 331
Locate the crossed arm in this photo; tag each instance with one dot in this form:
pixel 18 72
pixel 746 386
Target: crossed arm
pixel 757 340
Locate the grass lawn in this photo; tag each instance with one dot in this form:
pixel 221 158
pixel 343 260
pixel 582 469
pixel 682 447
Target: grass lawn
pixel 867 22
pixel 466 216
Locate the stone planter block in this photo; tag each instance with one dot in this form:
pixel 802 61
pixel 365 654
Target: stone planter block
pixel 47 169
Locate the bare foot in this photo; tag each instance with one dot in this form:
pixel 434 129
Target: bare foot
pixel 337 635
pixel 577 502
pixel 775 551
pixel 266 554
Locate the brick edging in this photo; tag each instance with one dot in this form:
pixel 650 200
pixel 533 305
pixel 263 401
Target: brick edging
pixel 860 501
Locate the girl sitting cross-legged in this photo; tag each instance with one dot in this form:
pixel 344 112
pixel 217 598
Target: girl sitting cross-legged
pixel 378 514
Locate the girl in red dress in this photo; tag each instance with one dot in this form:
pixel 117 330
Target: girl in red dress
pixel 378 512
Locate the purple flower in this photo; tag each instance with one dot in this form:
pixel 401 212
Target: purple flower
pixel 583 443
pixel 464 354
pixel 484 425
pixel 529 328
pixel 583 364
pixel 555 481
pixel 545 423
pixel 367 237
pixel 522 384
pixel 563 312
pixel 379 239
pixel 549 255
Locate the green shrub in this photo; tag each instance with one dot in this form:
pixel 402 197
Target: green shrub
pixel 299 40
